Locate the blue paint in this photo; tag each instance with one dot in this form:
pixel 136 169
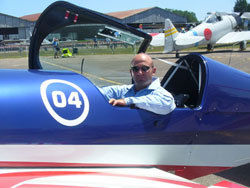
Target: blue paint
pixel 195 34
pixel 222 118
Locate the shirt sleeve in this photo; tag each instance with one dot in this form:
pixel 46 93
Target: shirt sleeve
pixel 111 92
pixel 158 101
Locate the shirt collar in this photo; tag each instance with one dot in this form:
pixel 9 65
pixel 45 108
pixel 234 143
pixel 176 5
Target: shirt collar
pixel 154 85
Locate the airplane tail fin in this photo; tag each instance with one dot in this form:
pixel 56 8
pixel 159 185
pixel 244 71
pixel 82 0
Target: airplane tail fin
pixel 170 34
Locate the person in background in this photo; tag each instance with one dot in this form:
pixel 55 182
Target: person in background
pixel 55 44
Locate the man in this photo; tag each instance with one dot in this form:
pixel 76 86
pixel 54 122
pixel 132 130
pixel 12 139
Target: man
pixel 146 92
pixel 56 47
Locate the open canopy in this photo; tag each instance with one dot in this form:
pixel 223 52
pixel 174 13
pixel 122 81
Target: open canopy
pixel 69 22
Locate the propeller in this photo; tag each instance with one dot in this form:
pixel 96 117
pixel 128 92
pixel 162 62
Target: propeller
pixel 241 14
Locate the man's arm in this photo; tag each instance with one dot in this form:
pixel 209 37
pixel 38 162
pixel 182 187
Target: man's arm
pixel 158 102
pixel 112 92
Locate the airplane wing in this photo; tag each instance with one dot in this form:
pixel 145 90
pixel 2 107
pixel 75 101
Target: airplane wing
pixel 184 40
pixel 92 177
pixel 118 35
pixel 157 39
pixel 97 178
pixel 181 40
pixel 234 37
pixel 246 15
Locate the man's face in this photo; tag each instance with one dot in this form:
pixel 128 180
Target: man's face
pixel 142 71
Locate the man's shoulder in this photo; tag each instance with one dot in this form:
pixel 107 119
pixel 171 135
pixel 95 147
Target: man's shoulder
pixel 157 88
pixel 155 84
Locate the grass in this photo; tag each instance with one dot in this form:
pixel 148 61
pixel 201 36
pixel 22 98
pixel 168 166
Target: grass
pixel 86 51
pixel 204 47
pixel 96 51
pixel 6 55
pixel 104 50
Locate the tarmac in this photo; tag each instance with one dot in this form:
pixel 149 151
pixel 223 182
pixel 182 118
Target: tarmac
pixel 233 58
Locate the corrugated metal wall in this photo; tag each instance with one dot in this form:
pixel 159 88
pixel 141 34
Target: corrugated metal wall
pixel 24 27
pixel 154 15
pixel 153 20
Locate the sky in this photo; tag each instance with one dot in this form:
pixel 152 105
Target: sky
pixel 20 8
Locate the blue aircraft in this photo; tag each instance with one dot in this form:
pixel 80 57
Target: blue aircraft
pixel 59 118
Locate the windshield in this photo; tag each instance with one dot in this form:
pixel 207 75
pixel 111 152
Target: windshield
pixel 91 50
pixel 213 18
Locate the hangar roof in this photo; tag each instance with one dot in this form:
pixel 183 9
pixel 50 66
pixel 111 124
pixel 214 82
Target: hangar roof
pixel 120 14
pixel 124 14
pixel 31 17
pixel 127 16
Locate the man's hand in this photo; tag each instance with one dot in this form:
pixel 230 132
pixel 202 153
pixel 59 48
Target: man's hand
pixel 117 102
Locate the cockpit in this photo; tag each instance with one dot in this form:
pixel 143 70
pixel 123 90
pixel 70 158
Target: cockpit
pixel 213 18
pixel 102 51
pixel 186 81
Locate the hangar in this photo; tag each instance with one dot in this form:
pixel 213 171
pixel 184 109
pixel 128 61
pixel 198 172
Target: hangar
pixel 148 19
pixel 14 28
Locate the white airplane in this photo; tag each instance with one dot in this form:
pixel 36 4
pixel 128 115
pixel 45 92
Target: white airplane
pixel 217 28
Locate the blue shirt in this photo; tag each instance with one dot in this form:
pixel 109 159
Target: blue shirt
pixel 154 98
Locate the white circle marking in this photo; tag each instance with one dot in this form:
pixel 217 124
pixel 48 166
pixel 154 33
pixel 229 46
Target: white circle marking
pixel 66 122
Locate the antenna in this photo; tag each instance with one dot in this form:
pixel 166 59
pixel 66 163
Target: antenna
pixel 82 65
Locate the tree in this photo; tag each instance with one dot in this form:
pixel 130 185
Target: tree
pixel 191 17
pixel 241 6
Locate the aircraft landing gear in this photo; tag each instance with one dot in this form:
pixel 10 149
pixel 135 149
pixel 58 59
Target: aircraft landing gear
pixel 210 48
pixel 243 45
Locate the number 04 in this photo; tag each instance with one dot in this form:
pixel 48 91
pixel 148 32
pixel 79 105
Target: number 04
pixel 59 99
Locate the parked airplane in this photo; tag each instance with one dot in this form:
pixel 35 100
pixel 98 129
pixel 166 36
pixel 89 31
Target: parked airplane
pixel 14 42
pixel 217 28
pixel 20 42
pixel 59 118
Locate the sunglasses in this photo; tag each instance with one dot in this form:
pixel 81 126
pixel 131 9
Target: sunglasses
pixel 143 68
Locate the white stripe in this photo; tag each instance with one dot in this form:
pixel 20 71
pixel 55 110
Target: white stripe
pixel 190 155
pixel 100 181
pixel 107 177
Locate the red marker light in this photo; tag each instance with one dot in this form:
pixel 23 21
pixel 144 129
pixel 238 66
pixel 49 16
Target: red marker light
pixel 67 14
pixel 76 17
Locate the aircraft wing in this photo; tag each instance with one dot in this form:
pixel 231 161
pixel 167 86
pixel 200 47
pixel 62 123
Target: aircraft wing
pixel 157 39
pixel 184 40
pixel 234 37
pixel 92 177
pixel 246 15
pixel 97 177
pixel 181 40
pixel 118 35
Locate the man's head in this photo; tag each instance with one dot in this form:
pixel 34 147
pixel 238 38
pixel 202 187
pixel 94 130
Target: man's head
pixel 142 70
